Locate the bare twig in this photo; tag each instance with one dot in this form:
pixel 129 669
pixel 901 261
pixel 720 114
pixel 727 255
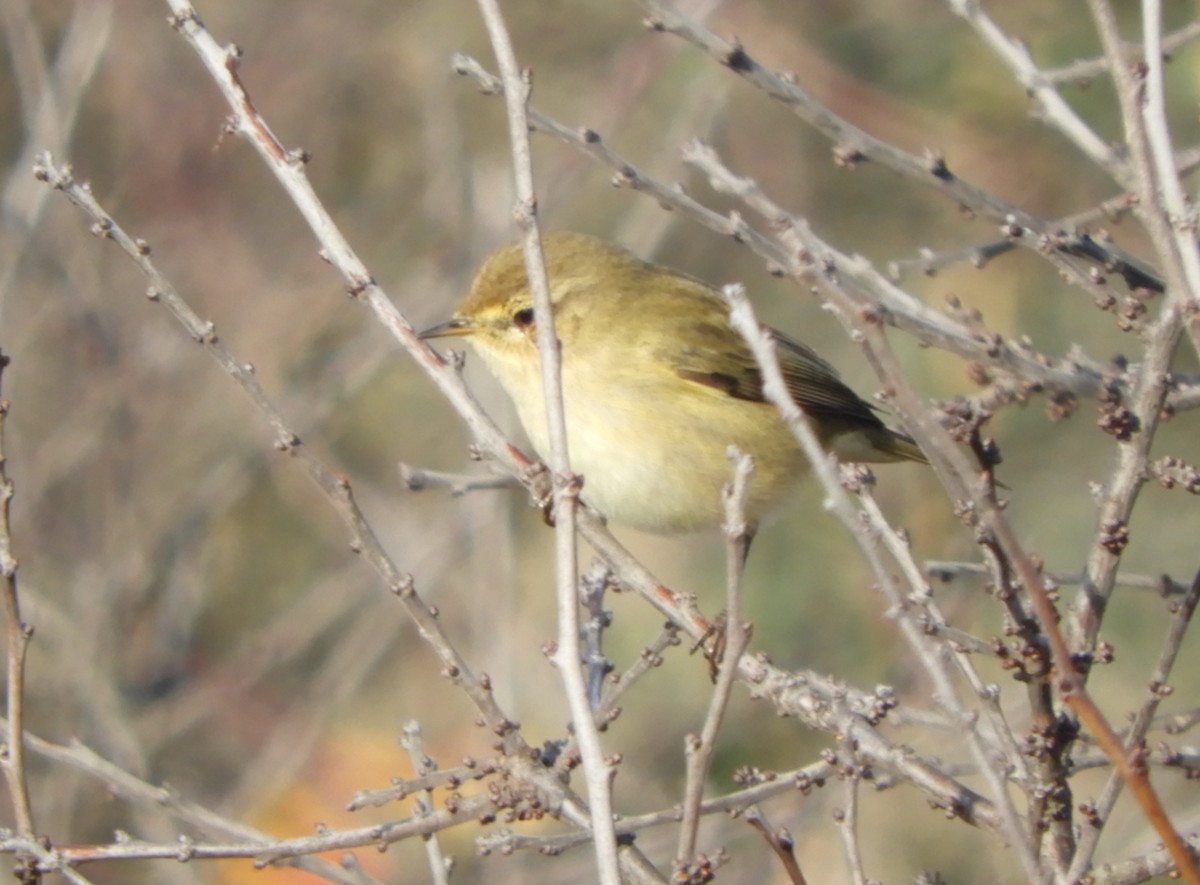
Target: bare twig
pixel 1162 210
pixel 775 390
pixel 592 586
pixel 648 659
pixel 1143 405
pixel 449 778
pixel 418 478
pixel 121 783
pixel 1142 868
pixel 955 472
pixel 1054 109
pixel 1162 585
pixel 1066 236
pixel 1134 737
pixel 781 843
pixel 699 749
pixel 336 488
pixel 17 634
pixel 567 656
pixel 410 741
pixel 852 142
pixel 818 701
pixel 765 786
pixel 48 860
pixel 51 102
pixel 847 816
pixel 1088 69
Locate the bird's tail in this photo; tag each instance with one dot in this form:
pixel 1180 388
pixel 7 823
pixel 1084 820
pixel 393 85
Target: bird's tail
pixel 901 447
pixel 877 444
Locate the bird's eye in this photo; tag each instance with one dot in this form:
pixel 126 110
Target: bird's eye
pixel 523 319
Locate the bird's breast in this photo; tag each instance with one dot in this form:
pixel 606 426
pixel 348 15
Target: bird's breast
pixel 652 448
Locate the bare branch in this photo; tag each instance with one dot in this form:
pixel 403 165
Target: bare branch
pixel 568 654
pixel 17 634
pixel 727 653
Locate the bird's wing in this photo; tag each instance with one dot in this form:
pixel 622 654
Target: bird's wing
pixel 712 360
pixel 815 385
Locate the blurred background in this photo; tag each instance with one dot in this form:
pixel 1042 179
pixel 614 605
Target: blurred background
pixel 199 618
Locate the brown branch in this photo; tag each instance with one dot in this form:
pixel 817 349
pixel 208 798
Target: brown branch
pixel 780 842
pixel 1135 736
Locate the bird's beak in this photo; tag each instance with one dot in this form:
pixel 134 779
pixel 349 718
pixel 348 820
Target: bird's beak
pixel 454 328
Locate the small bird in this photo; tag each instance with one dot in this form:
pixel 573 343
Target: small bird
pixel 657 385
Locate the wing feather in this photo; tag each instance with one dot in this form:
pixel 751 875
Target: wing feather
pixel 712 360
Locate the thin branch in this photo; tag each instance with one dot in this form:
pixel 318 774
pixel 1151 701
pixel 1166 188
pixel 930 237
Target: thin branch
pixel 410 741
pixel 699 749
pixel 780 842
pixel 1174 203
pixel 1016 56
pixel 818 701
pixel 1134 418
pixel 418 479
pixel 51 102
pixel 648 659
pixel 335 487
pixel 954 471
pixel 765 786
pixel 1163 585
pixel 17 635
pixel 1068 237
pixel 854 145
pixel 742 318
pixel 447 778
pixel 933 623
pixel 1088 69
pixel 567 656
pixel 1139 869
pixel 847 817
pixel 1135 736
pixel 592 586
pixel 48 860
pixel 121 783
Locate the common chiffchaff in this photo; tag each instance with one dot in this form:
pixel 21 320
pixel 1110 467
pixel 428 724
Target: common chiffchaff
pixel 656 385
